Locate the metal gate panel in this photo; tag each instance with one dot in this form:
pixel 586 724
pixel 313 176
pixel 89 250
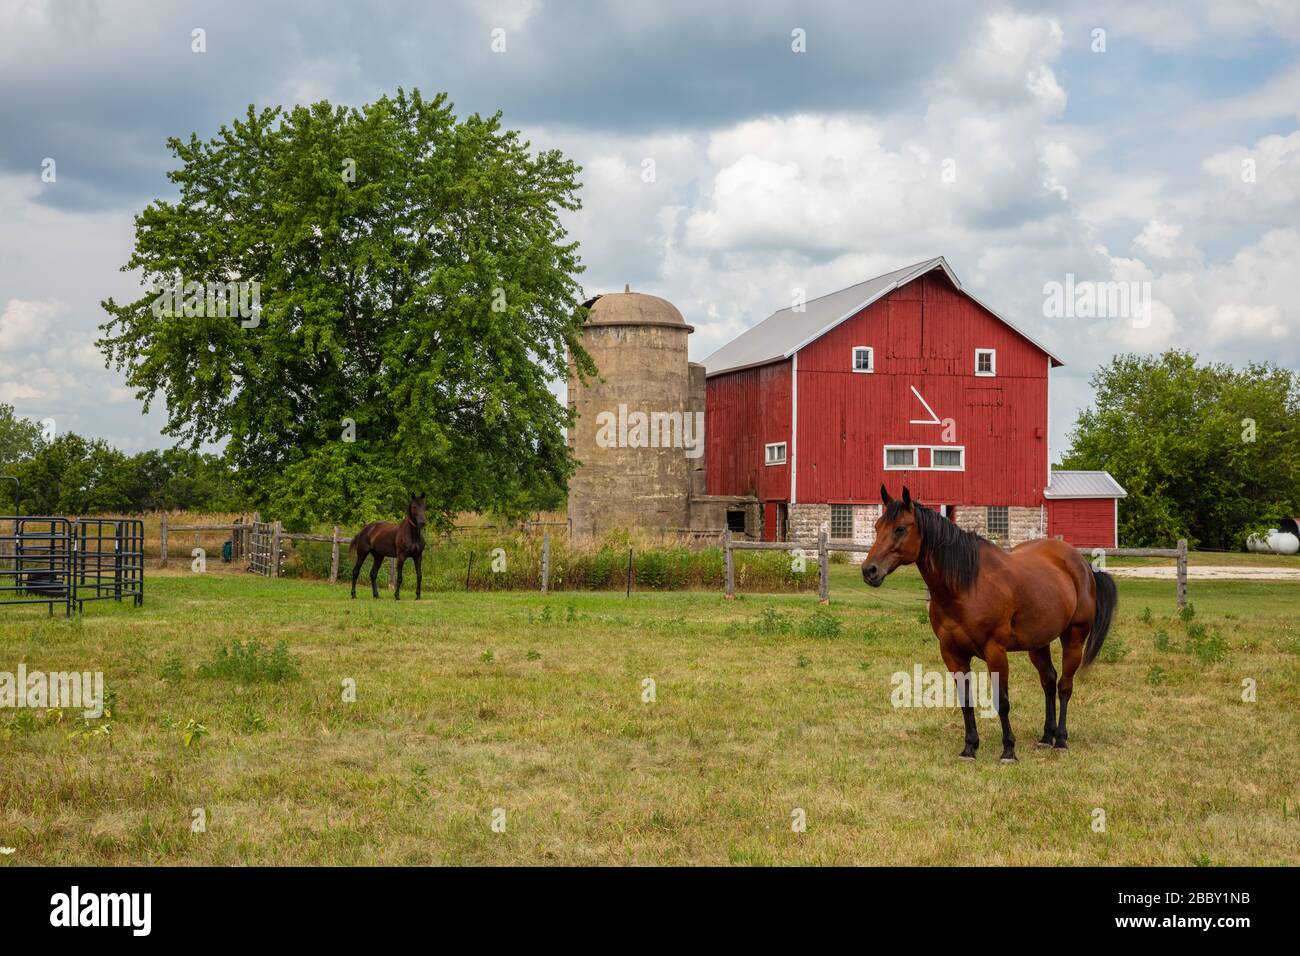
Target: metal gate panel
pixel 35 561
pixel 107 560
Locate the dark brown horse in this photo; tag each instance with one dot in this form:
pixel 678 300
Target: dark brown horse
pixel 985 602
pixel 384 539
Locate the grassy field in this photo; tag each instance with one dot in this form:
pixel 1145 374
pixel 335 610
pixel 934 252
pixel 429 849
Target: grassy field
pixel 533 706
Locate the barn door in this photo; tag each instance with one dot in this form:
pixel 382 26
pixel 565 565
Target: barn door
pixel 774 517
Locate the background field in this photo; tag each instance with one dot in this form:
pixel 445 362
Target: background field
pixel 532 704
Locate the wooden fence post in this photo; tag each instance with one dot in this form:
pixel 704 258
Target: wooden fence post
pixel 275 551
pixel 162 542
pixel 334 557
pixel 546 561
pixel 824 567
pixel 1182 573
pixel 629 572
pixel 469 566
pixel 730 565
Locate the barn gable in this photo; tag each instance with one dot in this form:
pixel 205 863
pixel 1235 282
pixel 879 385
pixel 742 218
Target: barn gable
pixel 787 331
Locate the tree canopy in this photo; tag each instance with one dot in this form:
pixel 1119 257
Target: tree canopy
pixel 417 297
pixel 1206 452
pixel 19 438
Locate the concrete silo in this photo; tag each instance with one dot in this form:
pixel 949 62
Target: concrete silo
pixel 634 419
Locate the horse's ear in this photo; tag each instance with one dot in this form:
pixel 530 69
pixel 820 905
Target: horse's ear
pixel 907 498
pixel 884 494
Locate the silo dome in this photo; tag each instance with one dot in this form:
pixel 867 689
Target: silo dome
pixel 634 419
pixel 634 308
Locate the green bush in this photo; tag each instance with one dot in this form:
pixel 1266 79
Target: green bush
pixel 250 663
pixel 821 623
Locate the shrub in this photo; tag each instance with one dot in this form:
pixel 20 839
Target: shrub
pixel 772 621
pixel 250 663
pixel 821 623
pixel 1113 650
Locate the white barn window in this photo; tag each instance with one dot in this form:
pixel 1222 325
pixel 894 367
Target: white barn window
pixel 948 459
pixel 986 362
pixel 864 358
pixel 900 456
pixel 774 454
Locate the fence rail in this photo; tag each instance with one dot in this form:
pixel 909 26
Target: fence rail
pixel 824 545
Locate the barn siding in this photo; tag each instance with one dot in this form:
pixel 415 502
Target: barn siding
pixel 745 411
pixel 1083 522
pixel 924 335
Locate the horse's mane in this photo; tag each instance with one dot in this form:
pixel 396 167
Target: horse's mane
pixel 953 551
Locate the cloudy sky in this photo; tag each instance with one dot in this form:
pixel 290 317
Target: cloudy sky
pixel 1013 138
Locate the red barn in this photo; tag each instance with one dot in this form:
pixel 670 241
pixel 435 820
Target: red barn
pixel 903 379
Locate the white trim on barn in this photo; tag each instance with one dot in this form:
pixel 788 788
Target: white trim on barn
pixel 794 426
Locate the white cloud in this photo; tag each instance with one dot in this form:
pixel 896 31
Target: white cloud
pixel 25 326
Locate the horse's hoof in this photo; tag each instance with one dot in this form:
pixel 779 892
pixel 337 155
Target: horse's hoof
pixel 1060 745
pixel 1044 743
pixel 965 756
pixel 1011 759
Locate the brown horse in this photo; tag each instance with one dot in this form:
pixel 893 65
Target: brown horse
pixel 384 539
pixel 985 602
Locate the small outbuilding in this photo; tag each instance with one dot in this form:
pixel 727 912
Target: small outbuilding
pixel 1083 508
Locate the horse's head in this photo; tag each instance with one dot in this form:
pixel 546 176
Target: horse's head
pixel 898 539
pixel 416 512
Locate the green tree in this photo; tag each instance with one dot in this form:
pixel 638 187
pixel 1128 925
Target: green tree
pixel 20 438
pixel 1206 452
pixel 414 280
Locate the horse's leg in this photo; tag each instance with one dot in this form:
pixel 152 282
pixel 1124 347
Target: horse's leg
pixel 374 573
pixel 400 560
pixel 959 664
pixel 1071 656
pixel 996 657
pixel 362 553
pixel 418 558
pixel 1042 658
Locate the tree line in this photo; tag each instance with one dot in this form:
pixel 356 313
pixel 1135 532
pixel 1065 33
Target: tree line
pixel 1206 452
pixel 73 475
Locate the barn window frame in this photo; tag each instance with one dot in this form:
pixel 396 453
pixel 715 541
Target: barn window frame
pixel 871 359
pixel 1002 527
pixel 961 457
pixel 992 370
pixel 916 457
pixel 771 451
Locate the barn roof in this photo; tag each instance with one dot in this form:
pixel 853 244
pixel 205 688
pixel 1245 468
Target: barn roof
pixel 785 332
pixel 1083 484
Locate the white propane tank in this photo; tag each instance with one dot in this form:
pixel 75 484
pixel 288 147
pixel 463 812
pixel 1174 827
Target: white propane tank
pixel 1279 542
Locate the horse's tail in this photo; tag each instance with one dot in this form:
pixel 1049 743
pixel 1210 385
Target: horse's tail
pixel 1107 599
pixel 354 546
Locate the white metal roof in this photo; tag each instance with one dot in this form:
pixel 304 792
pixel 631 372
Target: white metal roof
pixel 1083 484
pixel 786 331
